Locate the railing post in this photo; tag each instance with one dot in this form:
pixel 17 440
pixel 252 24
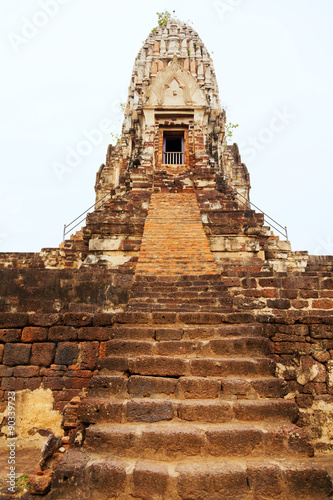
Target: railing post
pixel 64 233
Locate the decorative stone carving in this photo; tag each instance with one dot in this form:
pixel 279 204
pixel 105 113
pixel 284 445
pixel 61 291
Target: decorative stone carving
pixel 175 86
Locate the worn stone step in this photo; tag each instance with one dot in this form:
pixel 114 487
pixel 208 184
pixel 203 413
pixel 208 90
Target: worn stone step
pixel 172 441
pixel 193 318
pixel 106 478
pixel 178 305
pixel 171 366
pixel 179 331
pixel 96 410
pixel 180 297
pixel 240 346
pixel 180 294
pixel 187 387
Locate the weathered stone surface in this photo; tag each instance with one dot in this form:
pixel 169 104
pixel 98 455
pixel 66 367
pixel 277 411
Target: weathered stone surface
pixel 149 411
pixel 10 335
pixel 150 386
pixel 43 353
pixel 150 480
pixel 34 334
pixel 108 477
pixel 39 485
pixel 16 354
pixel 199 388
pixel 62 333
pixel 66 353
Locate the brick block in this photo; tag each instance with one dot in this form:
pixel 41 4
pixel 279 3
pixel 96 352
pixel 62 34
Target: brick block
pixel 265 480
pixel 327 284
pixel 239 318
pixel 16 354
pixel 299 304
pixel 94 333
pixel 199 387
pixel 308 481
pixel 308 294
pixel 6 371
pixel 149 386
pixel 103 319
pixel 205 411
pixel 168 334
pixel 14 320
pixel 45 320
pixel 1 352
pixel 249 283
pixel 10 335
pixel 32 383
pixel 149 411
pixel 162 366
pixel 177 348
pixel 150 480
pixel 43 354
pixel 88 355
pixel 234 442
pixel 200 318
pixel 34 334
pixel 288 294
pixel 270 293
pixel 163 318
pixel 62 333
pixel 67 353
pixel 53 383
pixel 100 410
pixel 323 304
pixel 227 484
pixel 108 476
pixel 26 371
pixel 279 304
pixel 78 319
pixel 321 331
pixel 12 384
pixel 75 382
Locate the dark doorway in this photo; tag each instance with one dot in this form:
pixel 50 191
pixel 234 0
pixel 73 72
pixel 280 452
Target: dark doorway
pixel 173 148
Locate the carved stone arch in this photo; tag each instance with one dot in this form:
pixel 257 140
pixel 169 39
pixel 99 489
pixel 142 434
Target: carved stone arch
pixel 157 91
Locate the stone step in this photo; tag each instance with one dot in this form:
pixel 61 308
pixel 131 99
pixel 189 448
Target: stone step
pixel 172 441
pixel 178 332
pixel 105 410
pixel 104 478
pixel 181 299
pixel 232 388
pixel 212 279
pixel 175 307
pixel 194 318
pixel 239 346
pixel 170 366
pixel 180 293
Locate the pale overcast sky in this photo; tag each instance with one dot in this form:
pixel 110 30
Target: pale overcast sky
pixel 66 67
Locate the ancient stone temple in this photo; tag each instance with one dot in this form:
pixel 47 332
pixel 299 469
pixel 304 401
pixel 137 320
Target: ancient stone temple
pixel 187 349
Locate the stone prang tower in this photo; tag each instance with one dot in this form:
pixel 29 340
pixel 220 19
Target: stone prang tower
pixel 186 346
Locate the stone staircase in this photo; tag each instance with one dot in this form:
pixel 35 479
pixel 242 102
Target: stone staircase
pixel 174 242
pixel 179 293
pixel 186 404
pixel 189 411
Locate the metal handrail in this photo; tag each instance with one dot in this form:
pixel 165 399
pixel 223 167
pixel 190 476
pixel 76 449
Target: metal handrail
pixel 249 205
pixel 101 201
pixel 173 158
